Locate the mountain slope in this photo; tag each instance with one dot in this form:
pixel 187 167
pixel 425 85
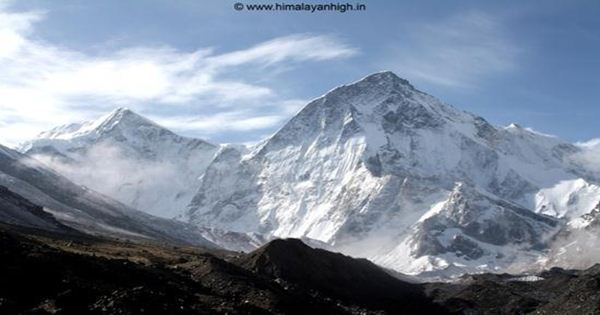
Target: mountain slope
pixel 84 209
pixel 370 165
pixel 16 210
pixel 127 157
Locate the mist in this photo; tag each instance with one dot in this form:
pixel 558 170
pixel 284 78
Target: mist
pixel 589 156
pixel 153 186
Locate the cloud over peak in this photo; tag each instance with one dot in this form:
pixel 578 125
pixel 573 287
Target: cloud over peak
pixel 43 84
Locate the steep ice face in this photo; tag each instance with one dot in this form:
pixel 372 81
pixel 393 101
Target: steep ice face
pixel 360 167
pixel 129 158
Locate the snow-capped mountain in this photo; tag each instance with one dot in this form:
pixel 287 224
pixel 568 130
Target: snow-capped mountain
pixel 375 169
pixel 129 158
pixel 379 169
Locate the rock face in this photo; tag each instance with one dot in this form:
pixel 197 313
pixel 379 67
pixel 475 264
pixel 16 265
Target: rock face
pixel 381 170
pixel 129 158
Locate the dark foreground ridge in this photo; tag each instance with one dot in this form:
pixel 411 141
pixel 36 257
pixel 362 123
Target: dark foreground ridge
pixel 53 274
pixel 557 291
pixel 57 273
pixel 353 281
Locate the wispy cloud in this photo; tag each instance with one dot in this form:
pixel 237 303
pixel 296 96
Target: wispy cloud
pixel 231 120
pixel 294 47
pixel 236 120
pixel 589 156
pixel 42 84
pixel 458 51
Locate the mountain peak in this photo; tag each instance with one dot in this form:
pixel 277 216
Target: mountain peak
pixel 124 110
pixel 123 115
pixel 514 126
pixel 385 76
pixel 379 81
pixel 120 118
pixel 377 105
pixel 121 125
pixel 372 91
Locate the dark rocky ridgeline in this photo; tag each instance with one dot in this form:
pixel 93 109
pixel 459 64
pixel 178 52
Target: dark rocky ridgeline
pixel 352 281
pixel 50 275
pixel 580 295
pixel 556 291
pixel 39 279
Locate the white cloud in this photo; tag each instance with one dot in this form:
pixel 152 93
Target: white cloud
pixel 589 157
pixel 235 120
pixel 593 144
pixel 577 249
pixel 42 84
pixel 106 168
pixel 294 47
pixel 458 51
pixel 224 121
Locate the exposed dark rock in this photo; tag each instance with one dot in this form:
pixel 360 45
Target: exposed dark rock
pixel 354 281
pixel 55 274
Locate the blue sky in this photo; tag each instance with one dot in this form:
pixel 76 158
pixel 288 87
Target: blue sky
pixel 206 70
